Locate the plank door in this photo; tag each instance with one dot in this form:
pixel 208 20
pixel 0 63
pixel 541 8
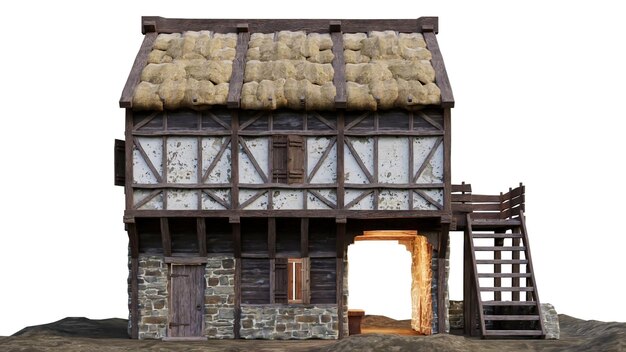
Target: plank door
pixel 187 300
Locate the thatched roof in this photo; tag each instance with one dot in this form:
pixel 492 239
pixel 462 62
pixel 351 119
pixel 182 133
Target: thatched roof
pixel 286 69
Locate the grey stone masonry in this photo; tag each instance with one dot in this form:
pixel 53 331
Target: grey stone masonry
pixel 550 321
pixel 153 302
pixel 289 322
pixel 219 298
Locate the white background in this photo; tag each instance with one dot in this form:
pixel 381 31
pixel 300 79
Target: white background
pixel 539 89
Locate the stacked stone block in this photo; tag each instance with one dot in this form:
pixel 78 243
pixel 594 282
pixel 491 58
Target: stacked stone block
pixel 289 322
pixel 219 298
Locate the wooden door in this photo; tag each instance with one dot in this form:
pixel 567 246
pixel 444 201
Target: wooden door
pixel 187 300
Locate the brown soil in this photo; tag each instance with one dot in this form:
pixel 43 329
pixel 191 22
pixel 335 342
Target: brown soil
pixel 81 334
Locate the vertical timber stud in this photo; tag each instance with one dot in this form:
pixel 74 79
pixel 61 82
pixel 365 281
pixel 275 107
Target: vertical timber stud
pixel 236 78
pixel 133 241
pixel 201 230
pixel 339 80
pixel 304 237
pixel 128 155
pixel 236 232
pixel 341 236
pixel 166 238
pixel 442 284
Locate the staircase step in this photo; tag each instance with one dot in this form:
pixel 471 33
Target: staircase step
pixel 496 235
pixel 509 303
pixel 495 222
pixel 504 275
pixel 507 289
pixel 512 317
pixel 501 261
pixel 499 248
pixel 513 333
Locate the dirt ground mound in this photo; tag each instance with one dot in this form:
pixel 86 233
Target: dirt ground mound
pixel 82 334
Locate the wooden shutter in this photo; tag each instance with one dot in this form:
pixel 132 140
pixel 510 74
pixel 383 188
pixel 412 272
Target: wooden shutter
pixel 280 280
pixel 119 161
pixel 295 159
pixel 279 156
pixel 288 159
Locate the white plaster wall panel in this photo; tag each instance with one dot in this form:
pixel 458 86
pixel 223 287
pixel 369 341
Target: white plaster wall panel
pixel 420 203
pixel 367 203
pixel 259 204
pixel 433 173
pixel 364 148
pixel 392 199
pixel 154 150
pixel 155 203
pixel 208 203
pixel 259 147
pixel 393 160
pixel 182 199
pixel 316 147
pixel 182 159
pixel 210 148
pixel 287 199
pixel 314 203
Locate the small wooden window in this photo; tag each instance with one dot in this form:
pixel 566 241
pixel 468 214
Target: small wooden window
pixel 291 284
pixel 288 159
pixel 295 269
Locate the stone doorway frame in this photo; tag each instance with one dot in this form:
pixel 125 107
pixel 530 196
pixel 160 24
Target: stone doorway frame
pixel 421 273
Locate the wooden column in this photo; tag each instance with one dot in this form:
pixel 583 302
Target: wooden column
pixel 304 237
pixel 442 284
pixel 340 160
pixel 166 238
pixel 341 235
pixel 133 242
pixel 236 233
pixel 201 231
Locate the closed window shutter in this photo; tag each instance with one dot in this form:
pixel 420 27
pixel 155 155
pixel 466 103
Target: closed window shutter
pixel 295 159
pixel 280 280
pixel 279 164
pixel 119 161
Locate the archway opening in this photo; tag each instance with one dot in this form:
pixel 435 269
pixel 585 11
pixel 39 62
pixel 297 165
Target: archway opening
pixel 389 275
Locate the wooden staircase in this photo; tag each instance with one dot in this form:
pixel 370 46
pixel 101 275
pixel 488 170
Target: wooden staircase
pixel 502 289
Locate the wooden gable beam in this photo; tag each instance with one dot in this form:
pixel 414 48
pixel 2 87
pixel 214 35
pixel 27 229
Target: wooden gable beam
pixel 339 65
pixel 177 25
pixel 126 100
pixel 239 65
pixel 441 75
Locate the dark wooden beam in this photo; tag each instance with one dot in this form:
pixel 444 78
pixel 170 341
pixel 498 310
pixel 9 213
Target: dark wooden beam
pixel 166 238
pixel 340 160
pixel 304 237
pixel 434 215
pixel 339 65
pixel 126 100
pixel 237 323
pixel 234 157
pixel 270 186
pixel 340 298
pixel 236 232
pixel 201 230
pixel 447 160
pixel 442 284
pixel 133 240
pixel 239 63
pixel 134 298
pixel 177 25
pixel 441 75
pixel 186 260
pixel 271 237
pixel 128 155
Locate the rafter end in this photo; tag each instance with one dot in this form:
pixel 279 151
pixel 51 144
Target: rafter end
pixel 148 26
pixel 335 26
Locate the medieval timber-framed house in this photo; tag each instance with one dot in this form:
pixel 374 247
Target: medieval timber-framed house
pixel 256 151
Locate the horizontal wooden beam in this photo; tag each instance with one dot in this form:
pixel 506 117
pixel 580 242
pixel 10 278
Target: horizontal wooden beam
pixel 126 100
pixel 177 25
pixel 406 186
pixel 186 260
pixel 235 215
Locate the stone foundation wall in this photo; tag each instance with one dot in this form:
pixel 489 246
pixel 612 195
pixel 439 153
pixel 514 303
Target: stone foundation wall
pixel 219 298
pixel 289 322
pixel 153 292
